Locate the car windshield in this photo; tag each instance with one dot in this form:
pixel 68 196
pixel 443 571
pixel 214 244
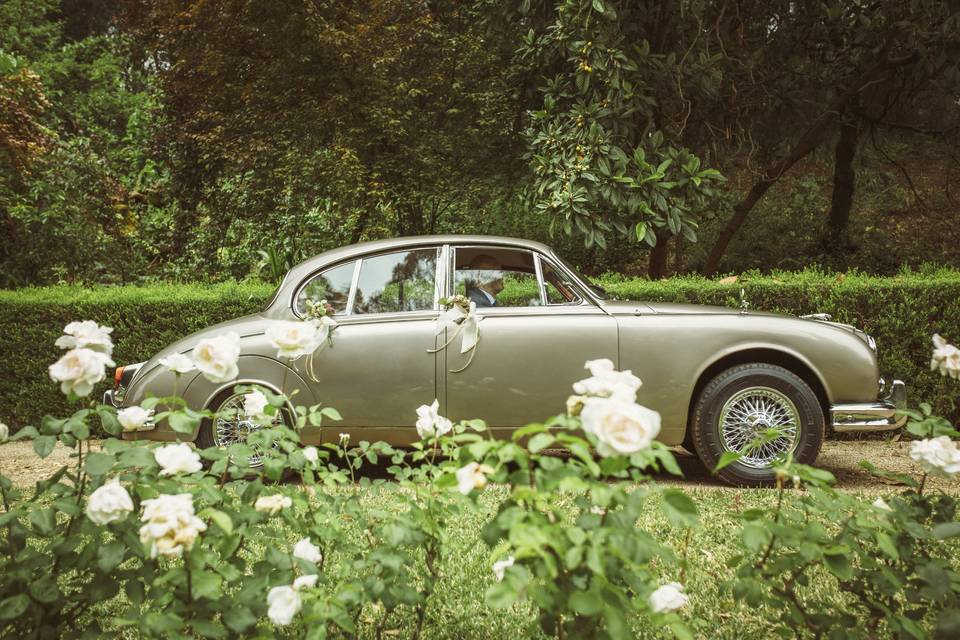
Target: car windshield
pixel 597 290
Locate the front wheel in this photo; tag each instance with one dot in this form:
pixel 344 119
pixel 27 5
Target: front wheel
pixel 746 402
pixel 231 425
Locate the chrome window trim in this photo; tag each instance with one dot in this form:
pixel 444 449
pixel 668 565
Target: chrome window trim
pixel 352 296
pixel 541 285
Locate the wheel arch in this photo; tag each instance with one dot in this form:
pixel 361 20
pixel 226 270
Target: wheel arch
pixel 767 355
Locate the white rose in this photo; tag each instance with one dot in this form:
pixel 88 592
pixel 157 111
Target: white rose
pixel 109 503
pixel 430 423
pixel 272 504
pixel 284 603
pixel 86 335
pixel 946 358
pixel 4 432
pixel 606 382
pixel 177 458
pixel 472 476
pixel 178 363
pixel 216 358
pixel 305 582
pixel 170 525
pixel 306 550
pixel 669 597
pixel 622 428
pixel 500 567
pixel 293 339
pixel 79 369
pixel 133 418
pixel 311 454
pixel 254 403
pixel 344 438
pixel 938 456
pixel 880 503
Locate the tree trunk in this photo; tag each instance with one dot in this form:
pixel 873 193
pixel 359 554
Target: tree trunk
pixel 657 267
pixel 808 141
pixel 844 182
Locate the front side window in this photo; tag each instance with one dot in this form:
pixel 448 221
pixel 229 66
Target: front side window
pixel 494 277
pixel 397 282
pixel 333 285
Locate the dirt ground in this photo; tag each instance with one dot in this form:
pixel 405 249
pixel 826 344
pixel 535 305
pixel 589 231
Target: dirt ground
pixel 19 463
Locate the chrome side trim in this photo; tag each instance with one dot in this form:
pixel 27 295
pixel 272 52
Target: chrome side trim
pixel 871 416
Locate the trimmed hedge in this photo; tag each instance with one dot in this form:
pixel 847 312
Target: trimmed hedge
pixel 901 312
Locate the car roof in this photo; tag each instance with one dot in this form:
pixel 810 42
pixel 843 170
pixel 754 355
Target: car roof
pixel 376 246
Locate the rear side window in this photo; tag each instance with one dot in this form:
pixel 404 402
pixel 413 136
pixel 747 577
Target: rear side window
pixel 396 282
pixel 333 285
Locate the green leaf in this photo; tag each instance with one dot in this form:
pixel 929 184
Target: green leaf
pixel 109 422
pixel 206 584
pixel 14 606
pixel 586 603
pixel 181 422
pixel 501 595
pixel 598 6
pixel 330 412
pixel 755 536
pixel 679 508
pixel 44 445
pixel 839 565
pixel 728 457
pixel 886 544
pixel 98 464
pixel 44 589
pixel 239 619
pixel 220 518
pixel 540 442
pixel 110 555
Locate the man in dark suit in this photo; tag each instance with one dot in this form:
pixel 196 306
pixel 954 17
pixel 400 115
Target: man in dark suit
pixel 487 281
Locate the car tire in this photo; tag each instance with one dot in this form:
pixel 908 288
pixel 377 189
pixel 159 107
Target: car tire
pixel 214 432
pixel 751 398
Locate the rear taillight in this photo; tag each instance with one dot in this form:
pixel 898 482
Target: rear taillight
pixel 117 375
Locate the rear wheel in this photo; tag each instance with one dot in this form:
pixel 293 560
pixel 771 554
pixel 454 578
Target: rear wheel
pixel 750 400
pixel 232 425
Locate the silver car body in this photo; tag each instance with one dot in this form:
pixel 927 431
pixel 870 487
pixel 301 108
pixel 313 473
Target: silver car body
pixel 380 366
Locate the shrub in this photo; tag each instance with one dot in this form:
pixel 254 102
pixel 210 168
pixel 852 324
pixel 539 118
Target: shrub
pixel 900 312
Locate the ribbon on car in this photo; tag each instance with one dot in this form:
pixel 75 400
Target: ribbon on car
pixel 459 319
pixel 318 314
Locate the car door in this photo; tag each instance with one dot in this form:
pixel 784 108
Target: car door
pixel 534 338
pixel 378 368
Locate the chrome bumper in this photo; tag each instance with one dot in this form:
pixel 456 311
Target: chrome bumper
pixel 871 416
pixel 108 398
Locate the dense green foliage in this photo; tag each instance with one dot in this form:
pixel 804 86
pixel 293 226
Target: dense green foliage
pixel 144 141
pixel 900 312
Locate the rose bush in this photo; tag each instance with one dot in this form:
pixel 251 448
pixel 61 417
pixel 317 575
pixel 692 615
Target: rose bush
pixel 893 558
pixel 164 540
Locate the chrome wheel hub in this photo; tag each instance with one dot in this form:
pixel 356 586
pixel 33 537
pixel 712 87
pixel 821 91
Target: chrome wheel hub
pixel 232 426
pixel 749 415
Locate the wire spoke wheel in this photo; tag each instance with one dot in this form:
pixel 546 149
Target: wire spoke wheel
pixel 233 426
pixel 747 418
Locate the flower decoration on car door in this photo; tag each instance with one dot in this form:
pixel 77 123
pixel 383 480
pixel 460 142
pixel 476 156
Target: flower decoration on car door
pixel 459 318
pixel 320 315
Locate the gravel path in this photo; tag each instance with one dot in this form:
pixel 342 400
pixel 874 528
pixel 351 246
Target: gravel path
pixel 19 463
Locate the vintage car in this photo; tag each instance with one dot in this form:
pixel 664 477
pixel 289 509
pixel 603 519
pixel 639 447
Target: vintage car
pixel 718 376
